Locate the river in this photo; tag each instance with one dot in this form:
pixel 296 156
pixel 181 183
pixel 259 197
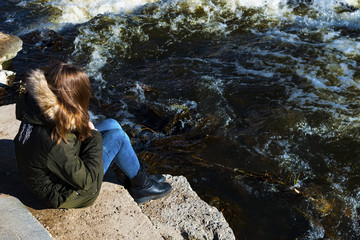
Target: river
pixel 255 102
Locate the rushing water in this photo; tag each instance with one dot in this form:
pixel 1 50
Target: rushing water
pixel 255 102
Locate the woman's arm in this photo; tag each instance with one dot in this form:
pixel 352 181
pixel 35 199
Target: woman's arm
pixel 78 169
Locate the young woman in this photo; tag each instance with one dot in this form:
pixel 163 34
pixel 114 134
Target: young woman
pixel 61 155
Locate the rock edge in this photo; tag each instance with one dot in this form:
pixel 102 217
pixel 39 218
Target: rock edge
pixel 114 215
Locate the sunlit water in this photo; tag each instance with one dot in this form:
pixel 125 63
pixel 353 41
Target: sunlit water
pixel 206 88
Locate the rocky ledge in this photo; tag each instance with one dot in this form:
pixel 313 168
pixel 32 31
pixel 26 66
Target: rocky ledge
pixel 114 215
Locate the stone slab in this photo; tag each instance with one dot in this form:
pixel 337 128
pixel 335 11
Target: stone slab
pixel 16 222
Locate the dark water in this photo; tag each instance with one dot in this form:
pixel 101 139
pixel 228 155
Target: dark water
pixel 255 102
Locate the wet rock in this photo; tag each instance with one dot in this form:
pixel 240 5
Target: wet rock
pixel 9 47
pixel 2 92
pixel 7 77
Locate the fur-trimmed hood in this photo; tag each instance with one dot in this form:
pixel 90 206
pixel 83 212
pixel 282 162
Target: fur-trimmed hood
pixel 39 105
pixel 38 88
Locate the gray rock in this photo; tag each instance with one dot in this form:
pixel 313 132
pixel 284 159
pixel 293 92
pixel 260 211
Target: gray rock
pixel 114 215
pixel 187 213
pixel 17 223
pixel 9 47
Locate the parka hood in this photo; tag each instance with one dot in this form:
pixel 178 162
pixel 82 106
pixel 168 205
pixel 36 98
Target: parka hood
pixel 38 105
pixel 39 90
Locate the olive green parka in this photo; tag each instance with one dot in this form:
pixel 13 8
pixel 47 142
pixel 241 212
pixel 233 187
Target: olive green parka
pixel 64 175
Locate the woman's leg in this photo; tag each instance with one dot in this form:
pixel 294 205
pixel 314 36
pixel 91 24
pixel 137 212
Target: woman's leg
pixel 117 147
pixel 107 124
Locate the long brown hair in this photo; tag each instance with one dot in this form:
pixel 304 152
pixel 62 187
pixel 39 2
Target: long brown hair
pixel 71 86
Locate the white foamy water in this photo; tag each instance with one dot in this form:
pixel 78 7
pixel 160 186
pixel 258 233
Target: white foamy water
pixel 350 47
pixel 80 11
pixel 214 19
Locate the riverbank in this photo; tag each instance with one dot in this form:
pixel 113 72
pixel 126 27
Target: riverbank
pixel 114 215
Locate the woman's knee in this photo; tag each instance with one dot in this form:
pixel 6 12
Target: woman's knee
pixel 112 123
pixel 119 136
pixel 108 124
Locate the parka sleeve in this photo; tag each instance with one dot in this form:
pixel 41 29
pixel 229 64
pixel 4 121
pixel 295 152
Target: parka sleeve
pixel 79 169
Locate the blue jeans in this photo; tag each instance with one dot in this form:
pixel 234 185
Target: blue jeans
pixel 117 147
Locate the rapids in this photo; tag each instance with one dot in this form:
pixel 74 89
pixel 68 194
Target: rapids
pixel 255 102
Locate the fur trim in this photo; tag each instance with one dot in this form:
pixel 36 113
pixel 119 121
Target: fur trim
pixel 37 87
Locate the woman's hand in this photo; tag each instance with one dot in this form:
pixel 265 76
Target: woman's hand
pixel 91 125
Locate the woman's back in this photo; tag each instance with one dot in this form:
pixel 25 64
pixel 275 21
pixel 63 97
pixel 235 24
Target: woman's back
pixel 55 171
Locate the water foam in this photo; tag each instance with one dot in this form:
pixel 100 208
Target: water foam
pixel 80 11
pixel 214 18
pixel 214 13
pixel 316 232
pixel 349 47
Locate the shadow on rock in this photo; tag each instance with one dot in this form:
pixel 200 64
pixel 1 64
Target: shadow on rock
pixel 10 181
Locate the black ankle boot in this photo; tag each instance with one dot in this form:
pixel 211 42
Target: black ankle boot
pixel 126 182
pixel 144 188
pixel 157 177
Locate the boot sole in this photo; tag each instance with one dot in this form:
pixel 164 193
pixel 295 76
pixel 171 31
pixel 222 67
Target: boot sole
pixel 153 197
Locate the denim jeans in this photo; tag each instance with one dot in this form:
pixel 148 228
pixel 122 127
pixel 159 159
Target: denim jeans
pixel 117 147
